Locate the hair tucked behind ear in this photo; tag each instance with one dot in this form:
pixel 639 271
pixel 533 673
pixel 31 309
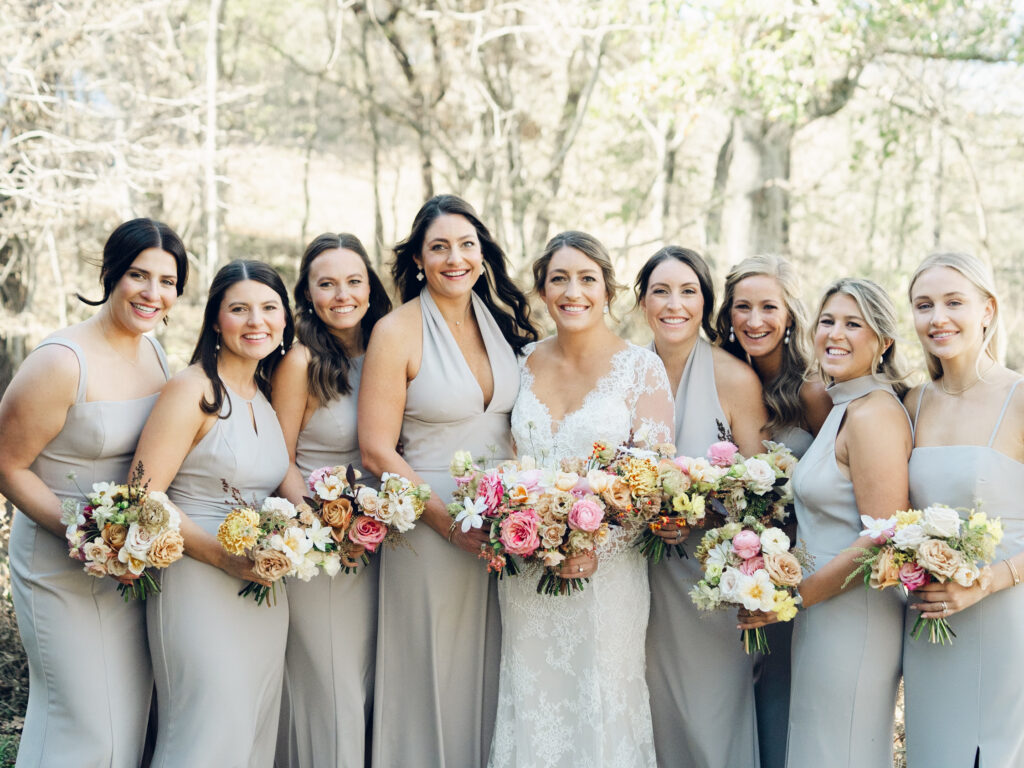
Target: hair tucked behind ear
pixel 694 261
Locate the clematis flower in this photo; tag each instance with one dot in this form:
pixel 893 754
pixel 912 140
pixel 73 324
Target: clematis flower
pixel 471 516
pixel 880 529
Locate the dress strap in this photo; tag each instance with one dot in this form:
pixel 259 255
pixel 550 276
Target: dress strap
pixel 82 377
pixel 917 414
pixel 161 355
pixel 1002 413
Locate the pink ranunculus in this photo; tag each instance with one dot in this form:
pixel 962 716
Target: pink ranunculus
pixel 913 576
pixel 746 544
pixel 748 567
pixel 519 532
pixel 531 479
pixel 490 491
pixel 586 515
pixel 367 532
pixel 317 476
pixel 721 454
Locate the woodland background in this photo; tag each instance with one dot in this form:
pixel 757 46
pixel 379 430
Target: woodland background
pixel 853 136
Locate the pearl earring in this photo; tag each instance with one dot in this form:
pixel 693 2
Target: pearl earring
pixel 732 336
pixel 282 348
pixel 419 274
pixel 216 346
pixel 789 330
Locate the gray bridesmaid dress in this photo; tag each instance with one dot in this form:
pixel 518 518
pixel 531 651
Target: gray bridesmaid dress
pixel 965 699
pixel 332 632
pixel 700 679
pixel 438 644
pixel 90 678
pixel 218 657
pixel 846 650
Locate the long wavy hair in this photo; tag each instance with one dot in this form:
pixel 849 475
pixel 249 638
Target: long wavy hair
pixel 329 364
pixel 879 313
pixel 781 394
pixel 500 295
pixel 980 276
pixel 694 261
pixel 205 352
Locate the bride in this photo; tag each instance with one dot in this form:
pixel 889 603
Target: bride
pixel 572 689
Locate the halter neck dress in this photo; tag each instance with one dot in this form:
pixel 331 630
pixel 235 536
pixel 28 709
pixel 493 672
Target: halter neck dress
pixel 846 650
pixel 332 632
pixel 983 670
pixel 700 679
pixel 94 714
pixel 439 638
pixel 218 657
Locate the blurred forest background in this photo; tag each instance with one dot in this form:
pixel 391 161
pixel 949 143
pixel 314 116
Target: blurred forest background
pixel 853 136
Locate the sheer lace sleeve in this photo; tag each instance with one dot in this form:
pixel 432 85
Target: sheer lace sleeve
pixel 653 411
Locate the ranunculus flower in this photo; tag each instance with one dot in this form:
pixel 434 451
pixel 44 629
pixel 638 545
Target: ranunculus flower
pixel 885 572
pixel 616 494
pixel 760 477
pixel 748 567
pixel 913 576
pixel 586 515
pixel 721 454
pixel 269 564
pixel 519 495
pixel 941 521
pixel 337 513
pixel 367 532
pixel 774 541
pixel 939 559
pixel 746 544
pixel 166 548
pixel 490 491
pixel 598 480
pixel 519 532
pixel 966 575
pixel 784 569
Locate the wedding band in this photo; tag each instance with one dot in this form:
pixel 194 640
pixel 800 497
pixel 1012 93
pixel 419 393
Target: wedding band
pixel 945 608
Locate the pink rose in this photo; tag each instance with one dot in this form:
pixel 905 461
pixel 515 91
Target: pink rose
pixel 367 532
pixel 490 491
pixel 721 454
pixel 746 544
pixel 753 564
pixel 586 515
pixel 913 576
pixel 519 532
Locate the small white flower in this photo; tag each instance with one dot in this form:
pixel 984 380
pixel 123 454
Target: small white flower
pixel 909 537
pixel 471 515
pixel 305 569
pixel 71 516
pixel 279 505
pixel 331 563
pixel 330 487
pixel 319 535
pixel 878 527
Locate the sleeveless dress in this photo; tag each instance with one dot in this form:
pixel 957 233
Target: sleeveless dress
pixel 90 678
pixel 966 698
pixel 439 634
pixel 846 650
pixel 701 680
pixel 332 632
pixel 572 689
pixel 218 657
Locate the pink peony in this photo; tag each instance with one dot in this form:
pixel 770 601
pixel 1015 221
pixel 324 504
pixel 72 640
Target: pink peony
pixel 519 532
pixel 746 544
pixel 490 491
pixel 913 576
pixel 753 564
pixel 586 515
pixel 721 454
pixel 367 532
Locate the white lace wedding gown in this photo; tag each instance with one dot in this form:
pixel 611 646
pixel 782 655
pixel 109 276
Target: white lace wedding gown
pixel 572 690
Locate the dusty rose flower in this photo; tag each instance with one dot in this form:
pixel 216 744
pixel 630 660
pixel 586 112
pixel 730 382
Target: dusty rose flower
pixel 586 515
pixel 337 513
pixel 114 534
pixel 97 551
pixel 551 535
pixel 270 564
pixel 746 544
pixel 166 548
pixel 748 567
pixel 116 568
pixel 885 572
pixel 784 569
pixel 937 557
pixel 913 576
pixel 367 532
pixel 519 532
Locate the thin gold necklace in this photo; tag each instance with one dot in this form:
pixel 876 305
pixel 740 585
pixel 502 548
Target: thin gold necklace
pixel 955 393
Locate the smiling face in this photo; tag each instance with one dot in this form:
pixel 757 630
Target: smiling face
pixel 950 313
pixel 759 316
pixel 844 344
pixel 339 289
pixel 574 290
pixel 251 320
pixel 451 258
pixel 673 303
pixel 146 291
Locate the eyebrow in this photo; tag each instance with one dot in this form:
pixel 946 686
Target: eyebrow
pixel 467 236
pixel 585 271
pixel 145 271
pixel 685 285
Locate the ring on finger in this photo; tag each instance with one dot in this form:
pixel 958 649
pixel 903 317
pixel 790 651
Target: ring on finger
pixel 945 608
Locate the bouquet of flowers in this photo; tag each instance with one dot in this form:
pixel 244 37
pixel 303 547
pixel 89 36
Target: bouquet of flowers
pixel 915 547
pixel 750 564
pixel 124 530
pixel 758 486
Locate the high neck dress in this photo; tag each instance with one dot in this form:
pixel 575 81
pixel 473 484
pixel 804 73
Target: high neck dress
pixel 218 657
pixel 90 677
pixel 439 631
pixel 846 650
pixel 701 681
pixel 332 629
pixel 965 699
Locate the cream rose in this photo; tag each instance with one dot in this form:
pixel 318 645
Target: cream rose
pixel 270 565
pixel 774 541
pixel 784 569
pixel 941 521
pixel 166 548
pixel 939 559
pixel 566 481
pixel 759 477
pixel 909 537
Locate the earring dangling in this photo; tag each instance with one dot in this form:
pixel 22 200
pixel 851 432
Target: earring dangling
pixel 309 310
pixel 789 330
pixel 419 274
pixel 216 347
pixel 606 307
pixel 282 349
pixel 732 336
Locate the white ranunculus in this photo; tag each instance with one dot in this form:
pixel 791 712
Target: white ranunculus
pixel 909 537
pixel 730 584
pixel 774 541
pixel 941 521
pixel 760 477
pixel 277 504
pixel 331 563
pixel 329 487
pixel 405 514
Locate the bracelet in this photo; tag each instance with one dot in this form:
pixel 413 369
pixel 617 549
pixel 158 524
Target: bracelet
pixel 1013 571
pixel 451 530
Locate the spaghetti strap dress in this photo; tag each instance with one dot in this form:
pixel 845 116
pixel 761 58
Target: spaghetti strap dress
pixel 218 658
pixel 90 678
pixel 439 630
pixel 332 632
pixel 700 679
pixel 846 650
pixel 984 667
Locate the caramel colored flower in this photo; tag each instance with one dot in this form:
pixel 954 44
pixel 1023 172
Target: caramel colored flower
pixel 166 548
pixel 114 534
pixel 886 571
pixel 270 564
pixel 617 495
pixel 784 569
pixel 239 531
pixel 551 535
pixel 337 513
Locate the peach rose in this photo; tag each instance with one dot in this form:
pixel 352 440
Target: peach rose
pixel 166 548
pixel 784 569
pixel 886 571
pixel 939 559
pixel 337 513
pixel 114 534
pixel 551 535
pixel 616 495
pixel 269 564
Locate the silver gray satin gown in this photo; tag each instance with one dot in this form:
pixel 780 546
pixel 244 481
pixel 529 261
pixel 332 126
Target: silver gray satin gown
pixel 846 650
pixel 218 657
pixel 90 677
pixel 439 631
pixel 700 678
pixel 966 699
pixel 332 632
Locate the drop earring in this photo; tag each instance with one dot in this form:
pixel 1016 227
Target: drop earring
pixel 606 307
pixel 732 335
pixel 419 274
pixel 789 330
pixel 282 349
pixel 216 347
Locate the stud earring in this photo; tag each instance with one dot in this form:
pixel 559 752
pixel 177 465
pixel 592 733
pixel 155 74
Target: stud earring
pixel 309 310
pixel 789 330
pixel 419 274
pixel 606 307
pixel 732 335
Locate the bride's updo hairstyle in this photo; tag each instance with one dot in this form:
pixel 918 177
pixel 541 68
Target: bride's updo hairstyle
pixel 879 313
pixel 694 261
pixel 590 247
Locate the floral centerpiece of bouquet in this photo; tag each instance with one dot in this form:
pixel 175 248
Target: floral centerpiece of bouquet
pixel 915 547
pixel 758 486
pixel 123 531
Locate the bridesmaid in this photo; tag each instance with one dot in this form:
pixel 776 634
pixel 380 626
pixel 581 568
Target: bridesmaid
pixel 848 642
pixel 440 375
pixel 689 654
pixel 77 406
pixel 332 630
pixel 969 452
pixel 217 657
pixel 763 321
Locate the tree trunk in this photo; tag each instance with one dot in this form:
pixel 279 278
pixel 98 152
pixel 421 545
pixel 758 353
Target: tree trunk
pixel 212 201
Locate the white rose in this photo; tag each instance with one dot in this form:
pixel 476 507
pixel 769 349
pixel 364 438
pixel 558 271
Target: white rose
pixel 137 542
pixel 966 575
pixel 774 541
pixel 909 537
pixel 282 506
pixel 760 477
pixel 331 563
pixel 367 500
pixel 941 521
pixel 730 584
pixel 405 515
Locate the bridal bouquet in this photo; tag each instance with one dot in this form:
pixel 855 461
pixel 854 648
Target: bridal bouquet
pixel 752 565
pixel 124 530
pixel 915 547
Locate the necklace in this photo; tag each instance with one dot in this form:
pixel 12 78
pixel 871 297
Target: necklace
pixel 956 392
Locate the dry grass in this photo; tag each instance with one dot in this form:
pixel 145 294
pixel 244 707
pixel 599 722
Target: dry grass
pixel 13 664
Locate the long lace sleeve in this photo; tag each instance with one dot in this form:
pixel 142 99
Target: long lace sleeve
pixel 653 412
